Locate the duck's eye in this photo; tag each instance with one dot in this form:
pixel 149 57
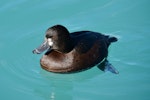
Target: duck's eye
pixel 48 36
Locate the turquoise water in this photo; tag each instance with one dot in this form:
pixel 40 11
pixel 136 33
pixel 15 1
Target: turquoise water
pixel 23 24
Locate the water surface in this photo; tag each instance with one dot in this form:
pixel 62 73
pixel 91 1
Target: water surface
pixel 23 24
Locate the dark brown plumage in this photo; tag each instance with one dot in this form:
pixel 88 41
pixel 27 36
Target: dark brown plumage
pixel 73 52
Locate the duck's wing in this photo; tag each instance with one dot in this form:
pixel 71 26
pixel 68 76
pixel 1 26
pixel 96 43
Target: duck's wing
pixel 84 40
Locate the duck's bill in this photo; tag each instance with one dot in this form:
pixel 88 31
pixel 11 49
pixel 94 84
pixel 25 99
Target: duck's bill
pixel 44 46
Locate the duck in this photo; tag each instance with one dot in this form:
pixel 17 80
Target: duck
pixel 74 52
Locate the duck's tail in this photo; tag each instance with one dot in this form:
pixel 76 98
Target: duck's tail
pixel 110 39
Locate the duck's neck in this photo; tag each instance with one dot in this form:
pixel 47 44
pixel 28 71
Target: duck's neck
pixel 66 46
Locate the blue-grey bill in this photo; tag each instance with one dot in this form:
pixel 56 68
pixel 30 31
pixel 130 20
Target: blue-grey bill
pixel 41 48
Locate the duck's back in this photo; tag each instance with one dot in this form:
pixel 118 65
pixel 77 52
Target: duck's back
pixel 84 40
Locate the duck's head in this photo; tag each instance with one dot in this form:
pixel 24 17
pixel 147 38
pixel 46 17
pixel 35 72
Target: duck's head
pixel 56 38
